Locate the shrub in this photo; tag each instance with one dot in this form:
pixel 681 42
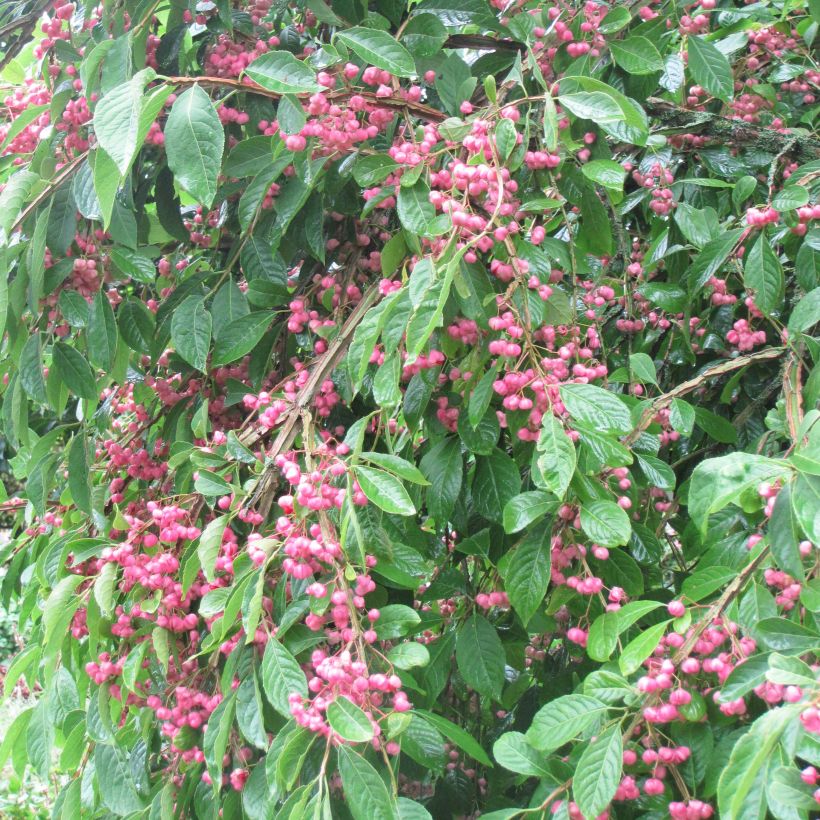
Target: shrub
pixel 416 405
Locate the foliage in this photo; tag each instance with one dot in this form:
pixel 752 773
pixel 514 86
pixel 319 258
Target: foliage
pixel 416 406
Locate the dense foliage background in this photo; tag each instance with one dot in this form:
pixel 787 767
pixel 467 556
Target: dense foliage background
pixel 415 407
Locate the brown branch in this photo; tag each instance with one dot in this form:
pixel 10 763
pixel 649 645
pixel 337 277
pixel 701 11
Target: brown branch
pixel 425 112
pixel 289 429
pixel 65 172
pixel 675 117
pixel 686 387
pixel 716 610
pixel 480 42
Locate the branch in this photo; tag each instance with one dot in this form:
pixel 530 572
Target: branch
pixel 480 42
pixel 325 366
pixel 686 387
pixel 425 112
pixel 724 129
pixel 65 172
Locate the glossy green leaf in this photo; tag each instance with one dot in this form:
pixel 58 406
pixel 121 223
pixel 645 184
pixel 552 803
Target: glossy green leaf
pixel 281 676
pixel 480 656
pixel 384 490
pixel 380 49
pixel 281 72
pixel 598 772
pixel 349 721
pixel 191 332
pixel 194 141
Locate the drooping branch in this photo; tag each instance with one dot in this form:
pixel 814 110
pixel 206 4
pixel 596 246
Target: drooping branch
pixel 674 117
pixel 340 96
pixel 321 371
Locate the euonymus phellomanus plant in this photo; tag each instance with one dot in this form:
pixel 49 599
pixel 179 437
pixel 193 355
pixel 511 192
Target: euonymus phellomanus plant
pixel 415 406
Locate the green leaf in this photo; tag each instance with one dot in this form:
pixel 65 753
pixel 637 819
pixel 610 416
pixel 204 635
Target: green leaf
pixel 422 742
pixel 13 196
pixel 396 620
pixel 505 139
pixel 210 484
pixel 786 637
pixel 513 752
pixel 616 114
pixel 101 332
pixel 74 371
pixel 281 72
pixel 763 273
pixel 709 68
pixel 380 49
pixel 191 332
pixel 592 105
pixel 788 788
pixel 606 173
pixel 281 676
pixel 372 169
pixel 717 482
pixel 711 259
pixel 209 545
pixel 443 467
pixel 596 407
pixel 696 224
pixel 289 758
pixel 616 18
pixel 104 588
pixel 606 523
pixel 31 369
pixel 396 465
pixel 556 457
pixel 806 312
pixel 134 264
pixel 240 337
pixel 408 655
pixel 523 509
pixel 784 535
pixel 745 677
pixel 658 472
pixel 805 497
pixel 527 575
pixel 40 739
pixel 636 55
pixel 366 794
pixel 715 426
pixel 217 735
pixel 194 141
pixel 247 157
pixel 603 636
pixel 424 35
pixel 497 480
pixel 641 647
pixel 455 734
pixel 137 326
pixel 682 416
pixel 480 656
pixel 643 368
pixel 704 582
pixel 562 719
pixel 791 197
pixel 349 721
pixel 107 179
pixel 598 773
pixel 747 759
pixel 384 490
pixel 250 713
pixel 606 686
pixel 414 207
pixel 117 120
pixel 116 783
pixel 78 473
